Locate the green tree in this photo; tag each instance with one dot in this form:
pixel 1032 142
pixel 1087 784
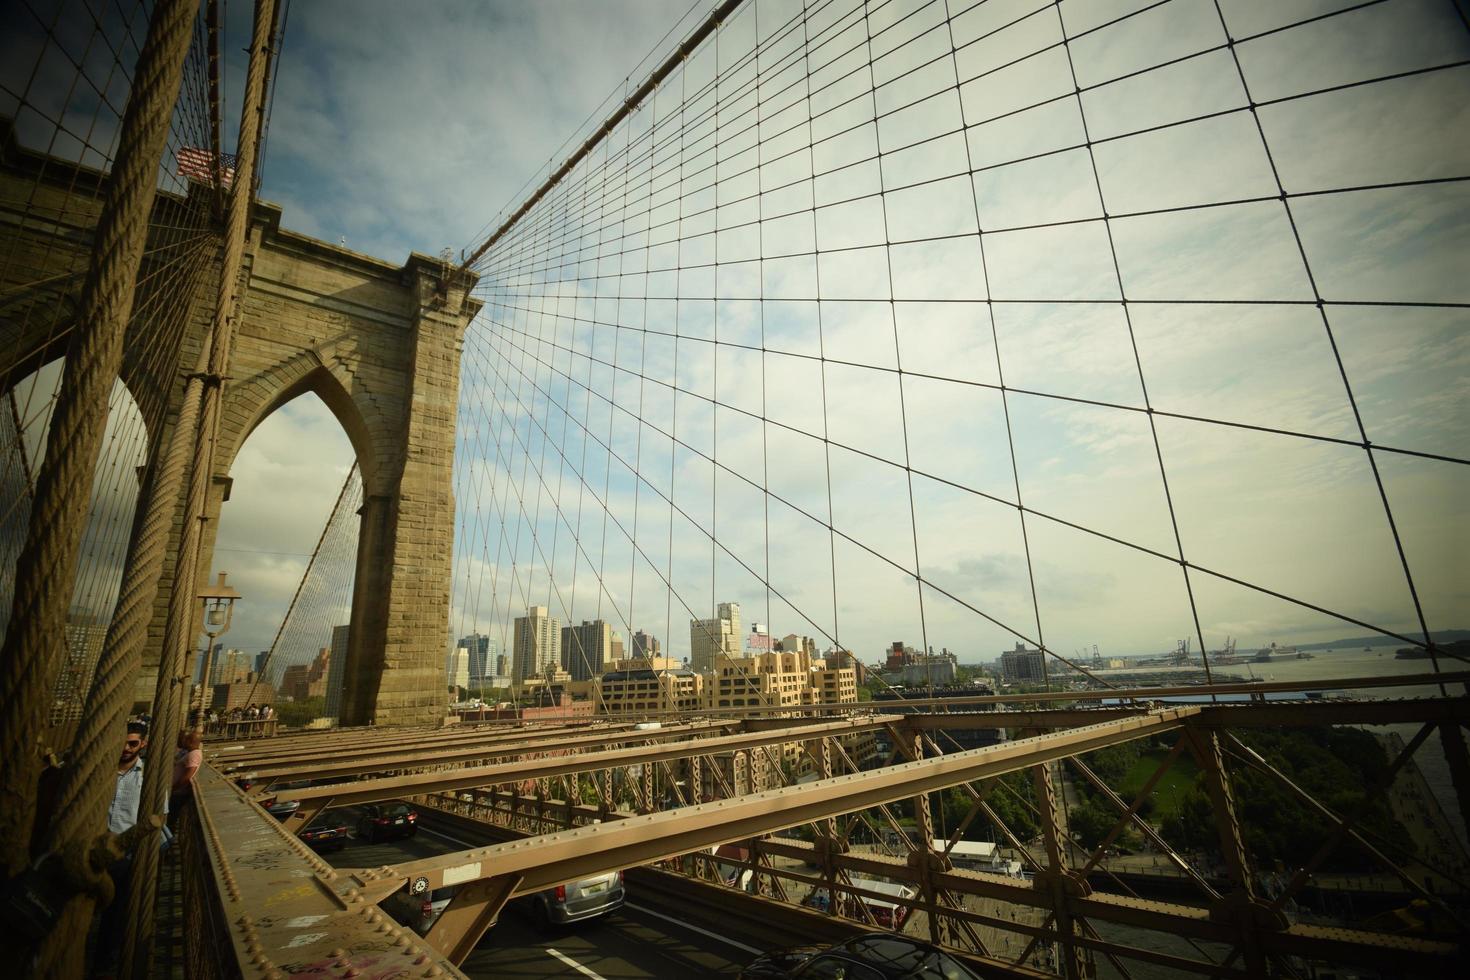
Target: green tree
pixel 1332 764
pixel 1090 822
pixel 297 713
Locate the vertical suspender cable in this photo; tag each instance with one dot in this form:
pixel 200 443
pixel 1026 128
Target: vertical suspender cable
pixel 178 635
pixel 296 596
pixel 32 651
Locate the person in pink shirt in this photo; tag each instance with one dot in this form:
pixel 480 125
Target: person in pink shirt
pixel 187 759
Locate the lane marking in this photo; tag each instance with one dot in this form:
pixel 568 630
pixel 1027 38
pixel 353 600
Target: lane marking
pixel 585 971
pixel 703 932
pixel 453 840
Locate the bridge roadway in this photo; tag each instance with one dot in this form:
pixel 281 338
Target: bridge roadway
pixel 648 937
pixel 284 909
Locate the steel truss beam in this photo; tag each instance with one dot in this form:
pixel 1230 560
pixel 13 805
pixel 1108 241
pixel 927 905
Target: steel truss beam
pixel 388 788
pixel 460 753
pixel 325 746
pixel 572 854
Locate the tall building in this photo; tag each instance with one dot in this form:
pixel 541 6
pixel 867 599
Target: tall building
pixel 482 657
pixel 302 681
pixel 502 665
pixel 1022 665
pixel 260 661
pixel 645 645
pixel 537 643
pixel 336 670
pixel 712 638
pixel 586 650
pixel 83 648
pixel 800 644
pixel 231 667
pixel 846 658
pixel 617 646
pixel 458 668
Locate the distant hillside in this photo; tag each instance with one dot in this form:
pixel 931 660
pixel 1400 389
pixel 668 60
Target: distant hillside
pixel 1356 642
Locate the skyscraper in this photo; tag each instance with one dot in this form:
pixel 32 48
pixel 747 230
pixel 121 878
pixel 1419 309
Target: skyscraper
pixel 645 645
pixel 458 668
pixel 336 669
pixel 708 638
pixel 230 667
pixel 586 649
pixel 482 656
pixel 537 642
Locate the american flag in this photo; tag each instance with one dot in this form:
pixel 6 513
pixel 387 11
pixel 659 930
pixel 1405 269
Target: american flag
pixel 198 164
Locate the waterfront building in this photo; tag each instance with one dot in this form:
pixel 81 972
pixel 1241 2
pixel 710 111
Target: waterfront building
pixel 1023 665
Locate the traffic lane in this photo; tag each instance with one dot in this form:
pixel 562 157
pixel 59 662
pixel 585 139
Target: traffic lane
pixel 359 853
pixel 630 944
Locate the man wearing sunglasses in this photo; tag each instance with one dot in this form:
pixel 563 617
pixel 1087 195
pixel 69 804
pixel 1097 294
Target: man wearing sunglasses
pixel 121 815
pixel 129 790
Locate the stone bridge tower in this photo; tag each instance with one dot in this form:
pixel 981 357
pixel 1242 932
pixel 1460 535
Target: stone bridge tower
pixel 379 344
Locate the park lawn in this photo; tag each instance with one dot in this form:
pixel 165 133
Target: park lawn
pixel 1171 787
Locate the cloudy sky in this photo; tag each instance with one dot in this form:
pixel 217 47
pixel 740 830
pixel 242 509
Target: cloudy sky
pixel 798 378
pixel 402 129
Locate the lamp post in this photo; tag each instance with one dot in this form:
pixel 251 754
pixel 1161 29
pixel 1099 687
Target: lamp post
pixel 219 608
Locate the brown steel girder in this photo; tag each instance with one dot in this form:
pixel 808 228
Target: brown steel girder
pixel 572 854
pixel 392 787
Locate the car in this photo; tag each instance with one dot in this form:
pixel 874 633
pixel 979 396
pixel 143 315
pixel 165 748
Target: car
pixel 281 810
pixel 386 820
pixel 875 956
pixel 562 905
pixel 418 912
pixel 578 901
pixel 328 832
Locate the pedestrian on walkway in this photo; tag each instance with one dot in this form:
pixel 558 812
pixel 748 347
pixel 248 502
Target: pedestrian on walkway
pixel 122 814
pixel 187 759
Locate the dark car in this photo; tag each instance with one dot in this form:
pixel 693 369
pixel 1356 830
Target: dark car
pixel 327 832
pixel 876 956
pixel 282 809
pixel 386 820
